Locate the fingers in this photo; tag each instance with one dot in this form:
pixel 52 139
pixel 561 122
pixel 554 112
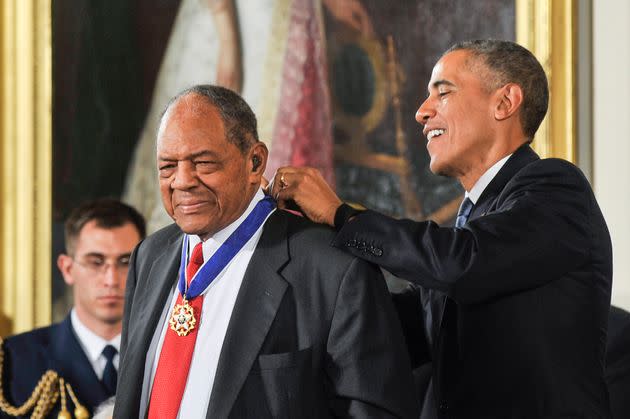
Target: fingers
pixel 300 177
pixel 305 189
pixel 280 181
pixel 284 196
pixel 266 186
pixel 286 199
pixel 264 182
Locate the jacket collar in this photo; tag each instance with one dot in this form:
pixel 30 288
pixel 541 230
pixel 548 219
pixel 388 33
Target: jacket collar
pixel 71 362
pixel 149 301
pixel 523 156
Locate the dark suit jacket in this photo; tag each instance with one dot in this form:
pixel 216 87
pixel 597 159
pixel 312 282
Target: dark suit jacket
pixel 313 332
pixel 29 355
pixel 517 301
pixel 618 362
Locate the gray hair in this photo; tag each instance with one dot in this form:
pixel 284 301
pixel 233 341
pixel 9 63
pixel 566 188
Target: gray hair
pixel 508 62
pixel 238 118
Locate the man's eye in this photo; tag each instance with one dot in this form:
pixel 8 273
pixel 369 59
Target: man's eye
pixel 95 263
pixel 124 261
pixel 442 94
pixel 205 166
pixel 166 170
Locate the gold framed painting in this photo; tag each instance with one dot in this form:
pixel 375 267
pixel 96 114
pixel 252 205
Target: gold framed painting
pixel 26 127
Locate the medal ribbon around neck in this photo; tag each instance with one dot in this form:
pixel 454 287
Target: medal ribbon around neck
pixel 226 252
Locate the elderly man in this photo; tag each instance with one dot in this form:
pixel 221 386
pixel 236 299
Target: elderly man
pixel 517 294
pixel 241 311
pixel 83 349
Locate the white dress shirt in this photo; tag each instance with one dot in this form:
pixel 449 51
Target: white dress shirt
pixel 93 345
pixel 485 179
pixel 219 299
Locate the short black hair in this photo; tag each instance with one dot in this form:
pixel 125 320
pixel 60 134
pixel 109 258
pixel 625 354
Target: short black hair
pixel 509 62
pixel 107 212
pixel 238 118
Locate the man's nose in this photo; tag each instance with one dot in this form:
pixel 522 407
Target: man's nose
pixel 424 112
pixel 113 275
pixel 185 176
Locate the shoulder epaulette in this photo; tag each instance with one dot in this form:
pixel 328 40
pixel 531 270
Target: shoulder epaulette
pixel 50 388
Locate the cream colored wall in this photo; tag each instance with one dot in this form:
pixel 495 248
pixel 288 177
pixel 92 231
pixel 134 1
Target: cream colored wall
pixel 611 132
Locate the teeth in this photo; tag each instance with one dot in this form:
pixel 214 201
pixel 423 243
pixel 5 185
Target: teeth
pixel 434 133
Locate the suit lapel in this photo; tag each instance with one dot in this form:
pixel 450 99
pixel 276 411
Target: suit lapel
pixel 521 158
pixel 254 311
pixel 71 362
pixel 160 281
pixel 149 300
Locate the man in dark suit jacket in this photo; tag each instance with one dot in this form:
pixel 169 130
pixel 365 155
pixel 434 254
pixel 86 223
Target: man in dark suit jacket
pixel 515 297
pixel 100 236
pixel 306 330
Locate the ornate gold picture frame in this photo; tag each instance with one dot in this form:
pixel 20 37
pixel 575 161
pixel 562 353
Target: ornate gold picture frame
pixel 547 28
pixel 26 144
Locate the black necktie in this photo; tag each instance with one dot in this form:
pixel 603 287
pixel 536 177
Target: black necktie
pixel 464 212
pixel 110 376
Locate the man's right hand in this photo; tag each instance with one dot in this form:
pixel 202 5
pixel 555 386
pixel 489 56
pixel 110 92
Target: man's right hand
pixel 306 188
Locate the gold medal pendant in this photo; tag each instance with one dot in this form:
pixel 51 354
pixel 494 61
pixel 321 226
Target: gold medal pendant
pixel 183 319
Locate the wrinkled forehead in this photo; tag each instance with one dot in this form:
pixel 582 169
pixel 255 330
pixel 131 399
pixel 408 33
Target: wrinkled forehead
pixel 191 110
pixel 111 240
pixel 446 68
pixel 458 66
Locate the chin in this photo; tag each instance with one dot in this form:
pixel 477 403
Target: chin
pixel 192 224
pixel 112 318
pixel 435 167
pixel 440 169
pixel 201 232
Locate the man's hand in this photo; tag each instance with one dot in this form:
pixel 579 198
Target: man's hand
pixel 305 188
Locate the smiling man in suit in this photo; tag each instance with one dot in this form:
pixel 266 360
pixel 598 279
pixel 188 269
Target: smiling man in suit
pixel 516 296
pixel 83 349
pixel 241 311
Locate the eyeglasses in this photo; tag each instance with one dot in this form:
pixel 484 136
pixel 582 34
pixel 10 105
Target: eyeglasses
pixel 99 265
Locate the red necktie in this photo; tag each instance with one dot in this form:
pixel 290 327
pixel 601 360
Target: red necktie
pixel 172 370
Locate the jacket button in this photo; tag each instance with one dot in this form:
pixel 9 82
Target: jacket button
pixel 377 252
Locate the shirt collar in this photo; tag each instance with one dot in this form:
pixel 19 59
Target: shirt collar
pixel 485 179
pixel 213 243
pixel 91 343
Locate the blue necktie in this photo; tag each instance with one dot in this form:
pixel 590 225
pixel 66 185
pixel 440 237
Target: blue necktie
pixel 464 212
pixel 110 376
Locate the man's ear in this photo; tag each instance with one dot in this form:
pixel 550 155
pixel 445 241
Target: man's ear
pixel 257 160
pixel 509 100
pixel 64 263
